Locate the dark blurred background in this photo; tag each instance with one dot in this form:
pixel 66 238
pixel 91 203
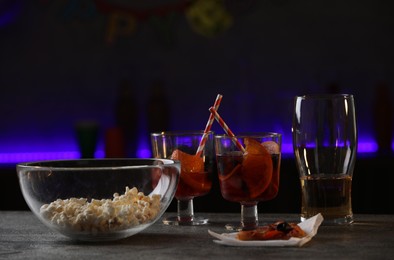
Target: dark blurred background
pixel 104 74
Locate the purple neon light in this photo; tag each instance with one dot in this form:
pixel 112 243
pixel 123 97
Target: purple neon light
pixel 9 11
pixel 143 152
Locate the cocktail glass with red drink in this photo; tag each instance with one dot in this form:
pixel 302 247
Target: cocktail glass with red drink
pixel 248 170
pixel 196 169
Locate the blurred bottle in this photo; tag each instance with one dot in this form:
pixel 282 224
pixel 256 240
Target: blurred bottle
pixel 87 137
pixel 158 110
pixel 383 118
pixel 115 144
pixel 126 115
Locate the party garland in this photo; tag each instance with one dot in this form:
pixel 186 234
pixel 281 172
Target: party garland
pixel 206 17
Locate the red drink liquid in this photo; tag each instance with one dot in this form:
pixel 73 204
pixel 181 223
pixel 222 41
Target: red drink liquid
pixel 193 184
pixel 194 180
pixel 232 176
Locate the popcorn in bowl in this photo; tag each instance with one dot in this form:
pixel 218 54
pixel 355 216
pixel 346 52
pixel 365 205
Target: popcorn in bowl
pixel 123 211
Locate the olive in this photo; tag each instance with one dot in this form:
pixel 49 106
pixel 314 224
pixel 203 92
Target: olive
pixel 284 227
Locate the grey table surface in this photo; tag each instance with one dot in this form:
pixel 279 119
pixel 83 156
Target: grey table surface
pixel 23 236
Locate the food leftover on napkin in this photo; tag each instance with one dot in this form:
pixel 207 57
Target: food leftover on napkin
pixel 292 236
pixel 278 230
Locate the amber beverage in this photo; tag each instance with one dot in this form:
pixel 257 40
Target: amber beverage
pixel 328 194
pixel 324 134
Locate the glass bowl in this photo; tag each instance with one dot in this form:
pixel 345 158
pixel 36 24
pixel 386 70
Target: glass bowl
pixel 99 199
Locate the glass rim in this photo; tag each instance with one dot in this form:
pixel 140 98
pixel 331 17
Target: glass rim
pixel 324 96
pixel 47 164
pixel 181 133
pixel 250 134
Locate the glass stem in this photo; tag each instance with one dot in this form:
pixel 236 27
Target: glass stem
pixel 185 210
pixel 249 216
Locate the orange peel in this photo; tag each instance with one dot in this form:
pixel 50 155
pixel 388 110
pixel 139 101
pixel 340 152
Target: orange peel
pixel 189 162
pixel 257 167
pixel 192 170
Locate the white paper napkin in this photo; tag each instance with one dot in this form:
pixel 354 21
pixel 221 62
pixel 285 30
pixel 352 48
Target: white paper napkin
pixel 310 226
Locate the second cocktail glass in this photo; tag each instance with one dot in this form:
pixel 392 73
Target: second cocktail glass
pixel 248 176
pixel 196 170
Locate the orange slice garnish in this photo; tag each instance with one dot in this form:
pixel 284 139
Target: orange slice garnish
pixel 192 169
pixel 256 167
pixel 189 162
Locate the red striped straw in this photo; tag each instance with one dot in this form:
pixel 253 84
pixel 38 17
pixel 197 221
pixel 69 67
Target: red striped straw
pixel 209 125
pixel 226 129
